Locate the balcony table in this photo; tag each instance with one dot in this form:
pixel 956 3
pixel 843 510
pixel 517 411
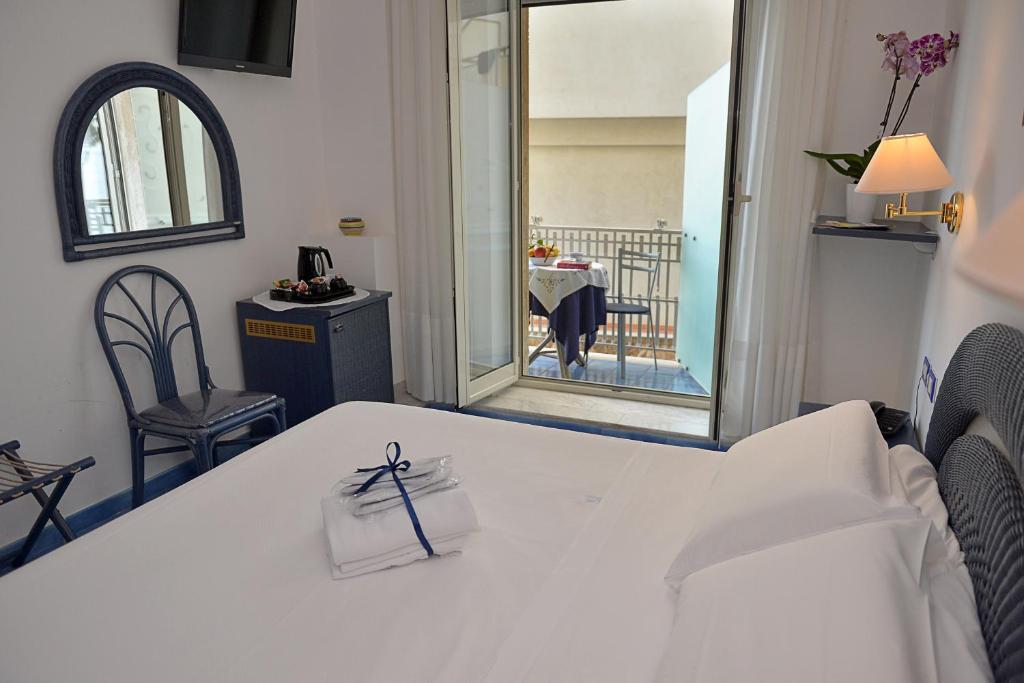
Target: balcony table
pixel 574 303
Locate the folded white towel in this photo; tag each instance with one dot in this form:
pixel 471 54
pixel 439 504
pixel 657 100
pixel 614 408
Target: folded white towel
pixel 351 569
pixel 386 539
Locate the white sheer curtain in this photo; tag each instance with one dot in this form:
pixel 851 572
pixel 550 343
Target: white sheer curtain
pixel 423 195
pixel 787 101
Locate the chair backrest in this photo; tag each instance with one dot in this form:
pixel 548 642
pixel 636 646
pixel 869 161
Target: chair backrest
pixel 640 261
pixel 149 331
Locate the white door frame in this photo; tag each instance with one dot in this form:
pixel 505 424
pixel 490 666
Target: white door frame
pixel 470 389
pixel 732 198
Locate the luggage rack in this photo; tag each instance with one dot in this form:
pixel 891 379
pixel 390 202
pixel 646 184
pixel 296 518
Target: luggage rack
pixel 19 477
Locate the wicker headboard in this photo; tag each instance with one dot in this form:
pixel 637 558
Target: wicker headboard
pixel 981 485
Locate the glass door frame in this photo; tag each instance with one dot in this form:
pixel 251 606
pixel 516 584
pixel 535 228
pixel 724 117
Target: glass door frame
pixel 734 200
pixel 731 195
pixel 470 389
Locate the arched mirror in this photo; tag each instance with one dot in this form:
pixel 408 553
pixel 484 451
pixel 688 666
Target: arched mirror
pixel 143 161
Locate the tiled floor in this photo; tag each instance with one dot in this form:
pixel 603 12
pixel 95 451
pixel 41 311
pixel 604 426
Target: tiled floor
pixel 601 410
pixel 403 397
pixel 594 409
pixel 640 373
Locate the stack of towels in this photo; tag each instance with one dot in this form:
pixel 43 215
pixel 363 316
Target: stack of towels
pixel 372 528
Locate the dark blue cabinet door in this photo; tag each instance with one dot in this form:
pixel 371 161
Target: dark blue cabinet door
pixel 361 356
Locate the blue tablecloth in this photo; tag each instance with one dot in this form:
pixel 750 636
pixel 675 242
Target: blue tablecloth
pixel 581 313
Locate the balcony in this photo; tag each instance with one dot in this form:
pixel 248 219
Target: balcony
pixel 602 245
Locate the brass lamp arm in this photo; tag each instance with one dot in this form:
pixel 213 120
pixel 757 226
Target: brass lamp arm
pixel 950 212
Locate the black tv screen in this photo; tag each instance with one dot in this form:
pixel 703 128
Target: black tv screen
pixel 253 36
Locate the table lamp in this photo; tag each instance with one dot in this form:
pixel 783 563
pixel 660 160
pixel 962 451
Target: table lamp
pixel 909 163
pixel 994 260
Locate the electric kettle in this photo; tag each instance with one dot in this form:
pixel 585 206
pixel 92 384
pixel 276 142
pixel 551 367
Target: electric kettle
pixel 311 263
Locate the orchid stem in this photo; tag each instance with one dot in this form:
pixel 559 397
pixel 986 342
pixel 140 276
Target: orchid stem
pixel 892 97
pixel 906 105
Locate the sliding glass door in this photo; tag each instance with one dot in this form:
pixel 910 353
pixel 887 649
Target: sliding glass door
pixel 482 80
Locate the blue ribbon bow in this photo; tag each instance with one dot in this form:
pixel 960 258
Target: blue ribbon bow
pixel 395 466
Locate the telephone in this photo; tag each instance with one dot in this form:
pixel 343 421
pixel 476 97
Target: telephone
pixel 889 420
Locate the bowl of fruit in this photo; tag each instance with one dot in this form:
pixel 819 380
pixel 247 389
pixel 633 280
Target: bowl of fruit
pixel 543 253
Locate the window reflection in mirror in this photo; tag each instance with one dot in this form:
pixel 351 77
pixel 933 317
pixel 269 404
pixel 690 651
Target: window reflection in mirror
pixel 147 163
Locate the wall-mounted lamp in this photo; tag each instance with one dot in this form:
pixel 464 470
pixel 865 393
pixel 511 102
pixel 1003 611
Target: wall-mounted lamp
pixel 909 163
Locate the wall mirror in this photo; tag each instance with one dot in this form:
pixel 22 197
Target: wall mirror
pixel 143 161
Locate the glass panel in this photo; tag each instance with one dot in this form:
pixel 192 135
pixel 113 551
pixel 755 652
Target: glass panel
pixel 486 126
pixel 137 118
pixel 194 145
pixel 147 163
pixel 99 212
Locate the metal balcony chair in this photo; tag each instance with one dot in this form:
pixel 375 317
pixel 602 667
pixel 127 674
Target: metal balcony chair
pixel 635 261
pixel 197 420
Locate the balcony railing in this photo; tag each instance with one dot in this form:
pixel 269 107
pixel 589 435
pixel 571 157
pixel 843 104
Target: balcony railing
pixel 602 245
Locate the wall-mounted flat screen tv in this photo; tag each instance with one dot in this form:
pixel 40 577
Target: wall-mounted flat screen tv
pixel 254 36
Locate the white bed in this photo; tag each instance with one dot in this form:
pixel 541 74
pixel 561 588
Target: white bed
pixel 811 551
pixel 227 578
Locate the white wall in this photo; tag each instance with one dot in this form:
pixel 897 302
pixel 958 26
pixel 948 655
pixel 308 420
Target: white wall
pixel 303 158
pixel 983 145
pixel 355 95
pixel 867 296
pixel 630 58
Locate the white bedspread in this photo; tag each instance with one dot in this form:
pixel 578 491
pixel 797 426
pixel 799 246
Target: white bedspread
pixel 227 578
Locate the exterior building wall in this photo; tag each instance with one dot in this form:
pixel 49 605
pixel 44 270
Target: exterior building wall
pixel 632 58
pixel 607 172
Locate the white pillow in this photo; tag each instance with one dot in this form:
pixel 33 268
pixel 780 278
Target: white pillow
pixel 809 475
pixel 846 605
pixel 914 480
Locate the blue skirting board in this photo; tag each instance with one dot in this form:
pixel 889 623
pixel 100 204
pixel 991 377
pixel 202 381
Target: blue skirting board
pixel 586 428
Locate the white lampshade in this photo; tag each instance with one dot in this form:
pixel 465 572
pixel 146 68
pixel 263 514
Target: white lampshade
pixel 994 260
pixel 904 163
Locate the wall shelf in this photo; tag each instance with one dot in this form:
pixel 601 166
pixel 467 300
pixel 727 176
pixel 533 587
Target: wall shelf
pixel 899 231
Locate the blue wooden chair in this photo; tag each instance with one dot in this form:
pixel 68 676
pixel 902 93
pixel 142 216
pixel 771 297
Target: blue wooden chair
pixel 199 419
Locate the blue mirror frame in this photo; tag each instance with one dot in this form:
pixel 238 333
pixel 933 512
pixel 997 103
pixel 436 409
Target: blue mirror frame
pixel 78 244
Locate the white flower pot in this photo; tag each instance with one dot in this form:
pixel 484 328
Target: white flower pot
pixel 860 208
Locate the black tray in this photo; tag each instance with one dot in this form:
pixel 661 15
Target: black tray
pixel 294 297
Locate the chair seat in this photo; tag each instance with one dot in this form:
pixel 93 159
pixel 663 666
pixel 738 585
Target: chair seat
pixel 205 408
pixel 629 309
